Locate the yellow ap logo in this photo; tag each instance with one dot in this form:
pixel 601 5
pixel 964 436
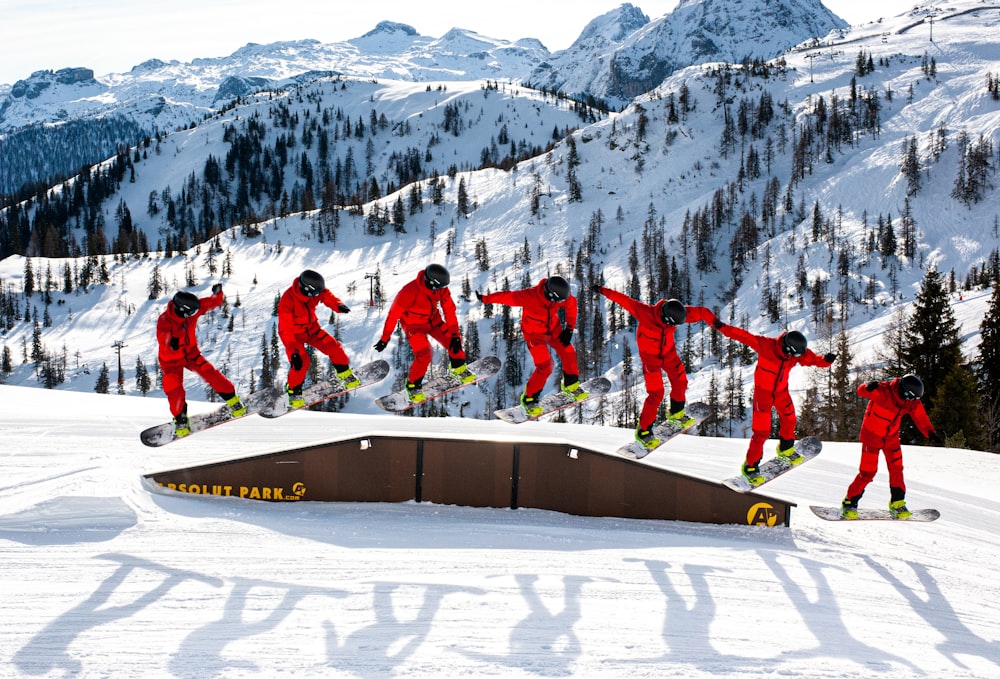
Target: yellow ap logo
pixel 762 514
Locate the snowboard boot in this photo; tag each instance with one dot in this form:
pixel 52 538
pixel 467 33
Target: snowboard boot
pixel 751 473
pixel 349 379
pixel 571 387
pixel 414 392
pixel 462 373
pixel 530 404
pixel 181 425
pixel 898 509
pixel 295 398
pixel 236 407
pixel 646 437
pixel 677 417
pixel 849 509
pixel 786 451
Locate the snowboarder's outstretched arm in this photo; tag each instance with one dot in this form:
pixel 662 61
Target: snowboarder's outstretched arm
pixel 740 335
pixel 699 313
pixel 624 301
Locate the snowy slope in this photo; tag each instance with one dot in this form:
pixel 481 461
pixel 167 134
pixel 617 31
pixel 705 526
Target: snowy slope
pixel 102 578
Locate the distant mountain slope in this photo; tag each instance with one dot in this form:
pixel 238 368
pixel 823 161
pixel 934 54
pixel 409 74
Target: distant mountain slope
pixel 617 65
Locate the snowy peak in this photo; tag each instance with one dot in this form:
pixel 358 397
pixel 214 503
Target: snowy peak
pixel 695 32
pixel 613 27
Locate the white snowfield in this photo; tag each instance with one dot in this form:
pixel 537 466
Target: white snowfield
pixel 102 578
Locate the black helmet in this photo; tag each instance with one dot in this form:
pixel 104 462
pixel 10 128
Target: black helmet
pixel 436 276
pixel 311 283
pixel 911 387
pixel 673 312
pixel 186 304
pixel 556 289
pixel 794 343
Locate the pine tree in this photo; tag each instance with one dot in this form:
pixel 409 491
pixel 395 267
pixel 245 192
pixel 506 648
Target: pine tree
pixel 988 369
pixel 103 385
pixel 955 412
pixel 932 347
pixel 142 382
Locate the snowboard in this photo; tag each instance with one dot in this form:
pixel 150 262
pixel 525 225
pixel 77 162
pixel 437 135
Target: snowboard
pixel 162 434
pixel 666 430
pixel 369 374
pixel 833 514
pixel 555 402
pixel 398 401
pixel 809 447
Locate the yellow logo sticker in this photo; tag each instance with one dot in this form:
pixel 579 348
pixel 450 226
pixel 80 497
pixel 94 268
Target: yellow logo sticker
pixel 762 514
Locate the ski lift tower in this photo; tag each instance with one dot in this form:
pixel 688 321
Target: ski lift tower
pixel 372 279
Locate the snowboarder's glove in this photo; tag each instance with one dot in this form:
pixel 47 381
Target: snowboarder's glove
pixel 717 324
pixel 872 386
pixel 381 345
pixel 217 288
pixel 296 360
pixel 936 439
pixel 343 308
pixel 830 357
pixel 566 336
pixel 455 345
pixel 596 288
pixel 479 296
pixel 175 343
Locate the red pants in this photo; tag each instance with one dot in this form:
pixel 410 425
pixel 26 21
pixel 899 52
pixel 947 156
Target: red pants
pixel 324 342
pixel 418 338
pixel 173 381
pixel 760 423
pixel 652 371
pixel 869 466
pixel 538 347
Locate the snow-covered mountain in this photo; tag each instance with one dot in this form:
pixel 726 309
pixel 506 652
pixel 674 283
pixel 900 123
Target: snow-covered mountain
pixel 723 186
pixel 621 54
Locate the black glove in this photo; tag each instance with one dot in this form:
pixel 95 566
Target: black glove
pixel 872 386
pixel 343 308
pixel 566 336
pixel 596 288
pixel 296 360
pixel 717 324
pixel 936 439
pixel 830 357
pixel 381 345
pixel 217 288
pixel 455 346
pixel 175 343
pixel 479 296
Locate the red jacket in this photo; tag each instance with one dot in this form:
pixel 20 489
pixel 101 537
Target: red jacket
pixel 654 337
pixel 297 312
pixel 171 326
pixel 885 412
pixel 773 365
pixel 540 315
pixel 417 307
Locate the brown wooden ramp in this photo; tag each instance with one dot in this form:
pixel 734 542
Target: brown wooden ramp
pixel 545 474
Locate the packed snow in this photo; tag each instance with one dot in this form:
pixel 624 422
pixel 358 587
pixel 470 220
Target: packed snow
pixel 103 577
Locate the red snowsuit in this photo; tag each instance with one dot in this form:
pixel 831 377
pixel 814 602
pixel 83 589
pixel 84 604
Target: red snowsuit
pixel 187 354
pixel 770 386
pixel 422 312
pixel 880 431
pixel 657 350
pixel 298 326
pixel 541 326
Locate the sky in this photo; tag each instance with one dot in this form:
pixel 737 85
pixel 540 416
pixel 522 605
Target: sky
pixel 104 576
pixel 112 36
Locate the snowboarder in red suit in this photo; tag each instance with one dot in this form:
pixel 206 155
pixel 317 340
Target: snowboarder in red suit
pixel 298 326
pixel 654 338
pixel 887 403
pixel 776 356
pixel 176 334
pixel 548 318
pixel 424 308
